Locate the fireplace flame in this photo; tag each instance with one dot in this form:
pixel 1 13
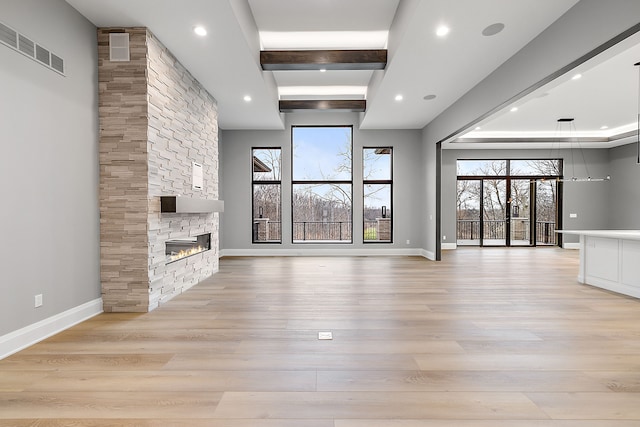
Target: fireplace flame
pixel 185 253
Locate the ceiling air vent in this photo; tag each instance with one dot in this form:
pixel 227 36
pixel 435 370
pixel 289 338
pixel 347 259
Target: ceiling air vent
pixel 57 63
pixel 23 44
pixel 43 55
pixel 8 36
pixel 27 46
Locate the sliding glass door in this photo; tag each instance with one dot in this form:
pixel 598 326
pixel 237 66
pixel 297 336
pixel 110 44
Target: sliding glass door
pixel 507 202
pixel 494 212
pixel 546 212
pixel 468 212
pixel 520 212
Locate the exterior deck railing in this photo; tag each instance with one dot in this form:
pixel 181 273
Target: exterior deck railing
pixel 496 230
pixel 546 232
pixel 275 230
pixel 318 230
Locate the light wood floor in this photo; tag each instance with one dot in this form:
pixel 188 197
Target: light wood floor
pixel 486 338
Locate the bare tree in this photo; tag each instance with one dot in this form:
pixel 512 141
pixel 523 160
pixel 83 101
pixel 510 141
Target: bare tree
pixel 267 166
pixel 467 199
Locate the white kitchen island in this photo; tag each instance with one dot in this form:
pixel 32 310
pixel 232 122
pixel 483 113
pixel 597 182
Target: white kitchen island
pixel 610 259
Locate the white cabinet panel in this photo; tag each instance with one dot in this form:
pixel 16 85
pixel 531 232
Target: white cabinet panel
pixel 631 263
pixel 602 258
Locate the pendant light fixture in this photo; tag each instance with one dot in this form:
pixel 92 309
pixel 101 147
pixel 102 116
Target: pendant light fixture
pixel 566 124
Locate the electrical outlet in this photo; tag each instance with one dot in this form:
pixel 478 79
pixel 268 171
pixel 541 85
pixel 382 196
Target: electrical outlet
pixel 38 300
pixel 573 215
pixel 444 237
pixel 408 242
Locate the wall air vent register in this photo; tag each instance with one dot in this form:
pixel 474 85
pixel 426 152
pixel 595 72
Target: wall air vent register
pixel 29 48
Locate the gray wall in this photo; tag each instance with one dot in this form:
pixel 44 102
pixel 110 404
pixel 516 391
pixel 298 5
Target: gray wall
pixel 235 161
pixel 429 198
pixel 589 200
pixel 49 166
pixel 624 201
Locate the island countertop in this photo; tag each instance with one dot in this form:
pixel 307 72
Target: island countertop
pixel 614 234
pixel 609 259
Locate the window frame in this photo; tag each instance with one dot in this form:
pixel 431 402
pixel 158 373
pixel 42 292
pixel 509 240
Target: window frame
pixel 295 182
pixel 389 182
pixel 254 183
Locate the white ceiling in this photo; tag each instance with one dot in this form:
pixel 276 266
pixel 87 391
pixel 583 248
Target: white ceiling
pixel 226 61
pixel 603 103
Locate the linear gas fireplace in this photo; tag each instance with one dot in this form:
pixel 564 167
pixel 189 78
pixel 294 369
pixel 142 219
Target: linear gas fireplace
pixel 178 249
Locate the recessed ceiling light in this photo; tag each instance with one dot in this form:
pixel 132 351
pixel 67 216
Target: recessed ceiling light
pixel 478 128
pixel 429 97
pixel 514 109
pixel 576 77
pixel 493 29
pixel 604 127
pixel 399 98
pixel 247 98
pixel 323 70
pixel 200 30
pixel 442 31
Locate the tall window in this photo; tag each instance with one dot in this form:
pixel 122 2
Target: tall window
pixel 267 206
pixel 377 185
pixel 322 184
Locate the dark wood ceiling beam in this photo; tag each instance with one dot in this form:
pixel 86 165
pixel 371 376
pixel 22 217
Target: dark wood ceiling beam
pixel 296 105
pixel 369 59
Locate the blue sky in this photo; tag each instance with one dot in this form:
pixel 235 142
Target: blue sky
pixel 316 152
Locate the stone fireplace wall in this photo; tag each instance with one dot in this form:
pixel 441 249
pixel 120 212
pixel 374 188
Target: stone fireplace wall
pixel 155 120
pixel 183 128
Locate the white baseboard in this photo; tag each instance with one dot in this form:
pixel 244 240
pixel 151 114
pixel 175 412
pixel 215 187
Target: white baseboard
pixel 448 246
pixel 29 335
pixel 428 254
pixel 322 252
pixel 571 245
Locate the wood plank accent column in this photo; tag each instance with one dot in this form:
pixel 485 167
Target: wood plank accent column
pixel 124 246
